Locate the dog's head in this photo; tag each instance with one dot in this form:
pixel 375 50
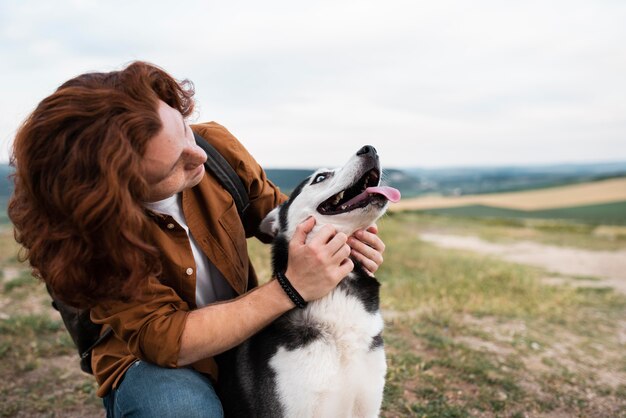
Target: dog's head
pixel 348 197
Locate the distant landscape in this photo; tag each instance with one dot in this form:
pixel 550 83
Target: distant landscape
pixel 479 180
pixel 6 188
pixel 457 182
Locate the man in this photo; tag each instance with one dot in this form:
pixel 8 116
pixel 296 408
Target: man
pixel 113 205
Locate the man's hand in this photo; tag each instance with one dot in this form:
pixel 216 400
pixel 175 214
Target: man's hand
pixel 314 269
pixel 367 248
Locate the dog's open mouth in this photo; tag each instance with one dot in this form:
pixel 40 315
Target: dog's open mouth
pixel 362 193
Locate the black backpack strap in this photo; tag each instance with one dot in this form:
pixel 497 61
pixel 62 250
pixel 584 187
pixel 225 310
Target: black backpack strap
pixel 85 334
pixel 225 174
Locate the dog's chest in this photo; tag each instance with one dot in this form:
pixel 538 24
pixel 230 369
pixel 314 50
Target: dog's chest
pixel 342 321
pixel 338 364
pixel 347 319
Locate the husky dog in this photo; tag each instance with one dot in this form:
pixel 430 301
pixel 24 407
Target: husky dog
pixel 326 360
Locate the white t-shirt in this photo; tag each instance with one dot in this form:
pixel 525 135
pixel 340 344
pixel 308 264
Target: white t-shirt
pixel 210 284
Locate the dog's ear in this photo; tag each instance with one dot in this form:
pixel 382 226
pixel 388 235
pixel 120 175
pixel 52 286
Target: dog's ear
pixel 271 224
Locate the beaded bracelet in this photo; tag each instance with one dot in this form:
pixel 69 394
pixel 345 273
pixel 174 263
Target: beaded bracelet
pixel 290 291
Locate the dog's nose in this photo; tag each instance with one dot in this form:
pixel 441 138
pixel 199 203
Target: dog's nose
pixel 368 149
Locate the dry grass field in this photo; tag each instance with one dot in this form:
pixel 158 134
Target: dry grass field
pixel 606 191
pixel 467 334
pixel 471 335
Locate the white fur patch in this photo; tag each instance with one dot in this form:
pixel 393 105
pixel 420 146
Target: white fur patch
pixel 345 379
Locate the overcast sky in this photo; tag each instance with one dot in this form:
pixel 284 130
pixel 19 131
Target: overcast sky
pixel 434 83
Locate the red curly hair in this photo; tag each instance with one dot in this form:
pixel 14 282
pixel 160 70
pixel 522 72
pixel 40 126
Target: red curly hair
pixel 76 206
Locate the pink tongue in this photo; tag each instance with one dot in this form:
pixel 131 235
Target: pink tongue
pixel 391 194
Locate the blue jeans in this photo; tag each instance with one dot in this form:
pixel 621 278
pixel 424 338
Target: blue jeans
pixel 152 391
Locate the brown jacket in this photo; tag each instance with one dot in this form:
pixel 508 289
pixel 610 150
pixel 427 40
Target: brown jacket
pixel 150 327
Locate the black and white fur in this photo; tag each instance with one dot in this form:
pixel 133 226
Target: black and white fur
pixel 326 360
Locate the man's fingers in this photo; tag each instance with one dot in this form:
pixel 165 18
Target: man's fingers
pixel 342 253
pixel 336 243
pixel 370 239
pixel 370 266
pixel 324 235
pixel 346 267
pixel 303 230
pixel 373 228
pixel 365 250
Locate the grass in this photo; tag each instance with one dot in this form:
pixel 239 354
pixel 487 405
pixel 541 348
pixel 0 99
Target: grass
pixel 474 336
pixel 4 203
pixel 552 232
pixel 604 214
pixel 38 361
pixel 424 275
pixel 25 280
pixel 465 336
pixel 587 194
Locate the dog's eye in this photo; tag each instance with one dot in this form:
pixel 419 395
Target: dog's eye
pixel 319 178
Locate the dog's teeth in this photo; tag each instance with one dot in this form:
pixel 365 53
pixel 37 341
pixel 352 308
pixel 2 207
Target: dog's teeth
pixel 343 207
pixel 340 195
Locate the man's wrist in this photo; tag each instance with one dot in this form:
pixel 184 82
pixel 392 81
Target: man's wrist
pixel 291 291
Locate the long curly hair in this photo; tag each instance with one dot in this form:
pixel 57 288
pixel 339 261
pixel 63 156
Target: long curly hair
pixel 76 205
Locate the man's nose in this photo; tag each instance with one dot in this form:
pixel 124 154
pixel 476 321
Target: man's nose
pixel 195 155
pixel 368 149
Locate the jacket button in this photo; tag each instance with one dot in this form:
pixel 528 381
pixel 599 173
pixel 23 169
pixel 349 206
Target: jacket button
pixel 170 226
pixel 189 271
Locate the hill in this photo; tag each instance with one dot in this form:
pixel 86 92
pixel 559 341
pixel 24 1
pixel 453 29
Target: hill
pixel 502 187
pixel 461 181
pixel 287 179
pixel 605 214
pixel 596 202
pixel 456 181
pixel 414 182
pixel 6 186
pixel 595 192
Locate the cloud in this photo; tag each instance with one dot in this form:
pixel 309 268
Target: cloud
pixel 427 83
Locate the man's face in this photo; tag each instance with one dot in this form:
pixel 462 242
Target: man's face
pixel 172 161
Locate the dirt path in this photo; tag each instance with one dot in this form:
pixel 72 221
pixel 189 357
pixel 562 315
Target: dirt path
pixel 608 266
